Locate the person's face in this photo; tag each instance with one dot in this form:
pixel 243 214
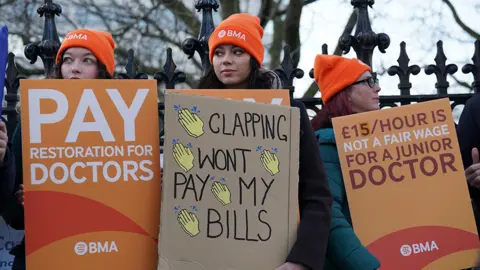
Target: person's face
pixel 79 63
pixel 232 66
pixel 364 94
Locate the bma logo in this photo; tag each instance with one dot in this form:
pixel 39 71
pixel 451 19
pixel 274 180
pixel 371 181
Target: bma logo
pixel 232 33
pixel 222 33
pixel 75 36
pixel 407 250
pixel 82 248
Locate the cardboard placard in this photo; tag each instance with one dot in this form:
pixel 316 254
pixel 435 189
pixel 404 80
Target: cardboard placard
pixel 231 184
pixel 406 186
pixel 91 171
pixel 268 96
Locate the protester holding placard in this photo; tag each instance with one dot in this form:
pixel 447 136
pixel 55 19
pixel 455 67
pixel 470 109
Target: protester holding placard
pixel 84 54
pixel 346 87
pixel 236 54
pixel 469 140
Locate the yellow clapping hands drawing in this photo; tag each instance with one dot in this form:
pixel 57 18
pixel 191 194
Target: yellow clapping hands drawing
pixel 221 193
pixel 183 156
pixel 270 162
pixel 189 222
pixel 190 121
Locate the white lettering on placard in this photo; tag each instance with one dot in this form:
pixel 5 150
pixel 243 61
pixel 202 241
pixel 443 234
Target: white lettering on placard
pixel 100 124
pixel 82 248
pixel 128 114
pixel 112 171
pixel 88 101
pixel 429 246
pixel 93 151
pixel 38 119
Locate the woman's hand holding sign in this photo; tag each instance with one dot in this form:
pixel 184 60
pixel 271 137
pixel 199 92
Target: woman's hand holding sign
pixel 20 194
pixel 473 172
pixel 3 140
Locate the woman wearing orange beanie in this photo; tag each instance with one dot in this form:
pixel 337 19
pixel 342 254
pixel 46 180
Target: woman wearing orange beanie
pixel 346 87
pixel 236 54
pixel 84 54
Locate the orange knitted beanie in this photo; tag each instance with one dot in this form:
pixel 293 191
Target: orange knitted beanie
pixel 334 73
pixel 100 43
pixel 242 30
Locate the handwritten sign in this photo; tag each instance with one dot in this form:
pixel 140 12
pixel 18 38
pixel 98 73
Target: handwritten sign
pixel 406 187
pixel 92 173
pixel 268 96
pixel 231 183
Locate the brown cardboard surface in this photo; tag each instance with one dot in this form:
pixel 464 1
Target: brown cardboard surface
pixel 198 197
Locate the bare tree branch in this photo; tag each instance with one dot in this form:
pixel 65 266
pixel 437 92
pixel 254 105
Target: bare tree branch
pixel 229 7
pixel 292 28
pixel 269 11
pixel 352 21
pixel 276 48
pixel 180 11
pixel 284 11
pixel 28 71
pixel 462 83
pixel 7 2
pixel 462 25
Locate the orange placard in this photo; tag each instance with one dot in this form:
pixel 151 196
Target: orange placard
pixel 406 186
pixel 269 96
pixel 91 166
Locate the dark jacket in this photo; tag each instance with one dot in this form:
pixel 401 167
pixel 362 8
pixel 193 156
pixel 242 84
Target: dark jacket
pixel 13 211
pixel 314 199
pixel 7 178
pixel 468 132
pixel 345 251
pixel 314 196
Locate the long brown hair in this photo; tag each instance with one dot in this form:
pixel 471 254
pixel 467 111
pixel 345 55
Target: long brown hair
pixel 338 106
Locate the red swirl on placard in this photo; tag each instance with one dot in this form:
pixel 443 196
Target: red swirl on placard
pixel 57 215
pixel 415 248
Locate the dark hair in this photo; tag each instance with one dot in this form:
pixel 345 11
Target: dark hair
pixel 57 71
pixel 338 106
pixel 257 79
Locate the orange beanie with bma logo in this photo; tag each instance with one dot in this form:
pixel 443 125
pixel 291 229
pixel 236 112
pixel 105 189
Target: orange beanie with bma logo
pixel 242 30
pixel 100 43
